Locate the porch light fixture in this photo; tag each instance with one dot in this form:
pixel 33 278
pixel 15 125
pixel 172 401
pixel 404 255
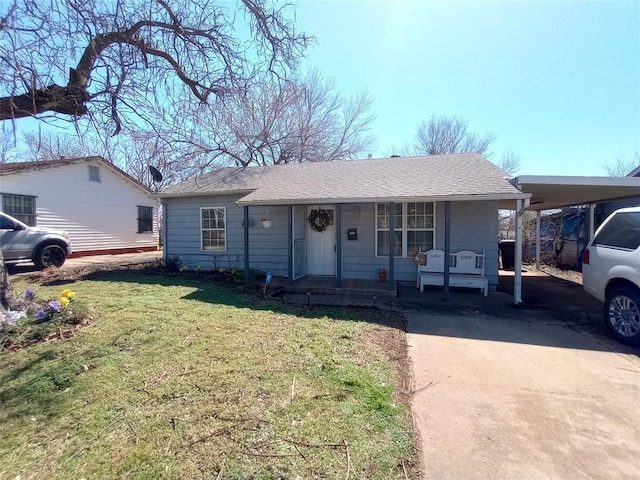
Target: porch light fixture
pixel 356 211
pixel 266 223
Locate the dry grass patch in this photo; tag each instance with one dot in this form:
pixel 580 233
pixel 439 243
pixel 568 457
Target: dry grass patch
pixel 181 378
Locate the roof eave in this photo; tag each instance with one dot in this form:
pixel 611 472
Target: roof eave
pixel 217 193
pixel 432 198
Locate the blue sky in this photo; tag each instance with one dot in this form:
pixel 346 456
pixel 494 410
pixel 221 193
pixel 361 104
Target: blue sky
pixel 559 82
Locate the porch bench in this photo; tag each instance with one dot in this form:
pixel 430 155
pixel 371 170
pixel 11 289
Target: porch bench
pixel 466 269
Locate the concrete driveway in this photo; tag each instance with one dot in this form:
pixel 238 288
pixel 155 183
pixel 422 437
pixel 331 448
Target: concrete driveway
pixel 522 397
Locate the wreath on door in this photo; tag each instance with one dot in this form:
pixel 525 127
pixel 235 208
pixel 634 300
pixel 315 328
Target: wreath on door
pixel 319 220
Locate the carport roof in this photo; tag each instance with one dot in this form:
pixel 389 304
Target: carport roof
pixel 549 192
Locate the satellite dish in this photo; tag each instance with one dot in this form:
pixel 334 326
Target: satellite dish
pixel 155 174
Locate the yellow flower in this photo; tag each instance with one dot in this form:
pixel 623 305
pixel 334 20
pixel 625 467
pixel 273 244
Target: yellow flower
pixel 64 301
pixel 68 294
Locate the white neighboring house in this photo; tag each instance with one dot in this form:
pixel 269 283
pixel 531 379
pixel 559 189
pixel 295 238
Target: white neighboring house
pixel 105 210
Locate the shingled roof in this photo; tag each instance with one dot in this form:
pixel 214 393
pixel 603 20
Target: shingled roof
pixel 461 176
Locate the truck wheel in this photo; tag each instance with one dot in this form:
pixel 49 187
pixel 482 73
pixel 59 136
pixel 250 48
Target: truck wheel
pixel 50 256
pixel 622 314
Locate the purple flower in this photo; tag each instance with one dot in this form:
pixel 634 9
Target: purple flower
pixel 54 305
pixel 40 314
pixel 29 294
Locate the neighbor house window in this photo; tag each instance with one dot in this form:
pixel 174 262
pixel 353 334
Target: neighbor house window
pixel 22 207
pixel 145 219
pixel 214 228
pixel 414 228
pixel 94 174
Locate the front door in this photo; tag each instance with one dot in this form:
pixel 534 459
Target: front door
pixel 321 245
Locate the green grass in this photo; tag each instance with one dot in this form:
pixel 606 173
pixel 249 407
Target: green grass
pixel 182 378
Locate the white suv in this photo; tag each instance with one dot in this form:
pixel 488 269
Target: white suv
pixel 611 272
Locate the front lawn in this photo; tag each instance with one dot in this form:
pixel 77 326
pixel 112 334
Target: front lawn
pixel 183 378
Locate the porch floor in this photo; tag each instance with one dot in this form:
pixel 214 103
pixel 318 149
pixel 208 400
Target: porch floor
pixel 356 288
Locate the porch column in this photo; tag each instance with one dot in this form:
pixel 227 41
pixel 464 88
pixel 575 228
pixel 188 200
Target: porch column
pixel 538 239
pixel 246 243
pixel 592 221
pixel 517 277
pixel 447 250
pixel 392 242
pixel 290 243
pixel 339 246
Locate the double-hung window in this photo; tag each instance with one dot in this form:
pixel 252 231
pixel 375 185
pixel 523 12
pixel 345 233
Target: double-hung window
pixel 414 228
pixel 22 207
pixel 214 228
pixel 145 219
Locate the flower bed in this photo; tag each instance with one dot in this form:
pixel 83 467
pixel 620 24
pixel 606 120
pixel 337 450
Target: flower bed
pixel 41 320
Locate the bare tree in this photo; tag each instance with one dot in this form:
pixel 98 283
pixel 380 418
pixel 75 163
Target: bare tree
pixel 306 119
pixel 442 134
pixel 510 161
pixel 71 58
pixel 74 57
pixel 51 146
pixel 136 152
pixel 623 165
pixel 8 146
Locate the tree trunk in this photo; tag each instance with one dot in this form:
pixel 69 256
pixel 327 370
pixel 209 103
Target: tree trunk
pixel 54 98
pixel 6 292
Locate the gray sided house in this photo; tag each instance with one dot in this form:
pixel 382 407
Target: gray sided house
pixel 338 219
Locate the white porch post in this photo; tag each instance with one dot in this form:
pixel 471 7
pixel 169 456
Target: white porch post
pixel 592 220
pixel 538 239
pixel 517 277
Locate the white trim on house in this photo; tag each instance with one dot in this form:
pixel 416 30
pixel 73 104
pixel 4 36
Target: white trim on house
pixel 224 229
pixel 404 228
pixel 442 198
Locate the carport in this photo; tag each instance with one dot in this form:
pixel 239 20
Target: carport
pixel 552 192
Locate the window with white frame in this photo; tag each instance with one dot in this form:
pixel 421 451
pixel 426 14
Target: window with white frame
pixel 414 228
pixel 22 207
pixel 214 228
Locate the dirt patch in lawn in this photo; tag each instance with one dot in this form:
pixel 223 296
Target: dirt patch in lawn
pixel 387 336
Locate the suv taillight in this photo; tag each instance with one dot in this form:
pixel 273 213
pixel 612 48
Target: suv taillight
pixel 585 256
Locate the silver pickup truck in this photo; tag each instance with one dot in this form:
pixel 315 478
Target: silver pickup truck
pixel 43 246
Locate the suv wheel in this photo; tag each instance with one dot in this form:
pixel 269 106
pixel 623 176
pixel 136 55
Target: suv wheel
pixel 622 314
pixel 50 256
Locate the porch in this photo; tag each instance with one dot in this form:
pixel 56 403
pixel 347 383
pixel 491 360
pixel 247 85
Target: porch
pixel 318 289
pixel 561 299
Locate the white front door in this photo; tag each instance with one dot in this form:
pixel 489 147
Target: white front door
pixel 321 246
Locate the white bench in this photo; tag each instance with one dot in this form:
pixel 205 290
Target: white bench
pixel 466 269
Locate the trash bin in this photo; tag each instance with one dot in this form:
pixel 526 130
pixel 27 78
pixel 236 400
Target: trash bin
pixel 508 254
